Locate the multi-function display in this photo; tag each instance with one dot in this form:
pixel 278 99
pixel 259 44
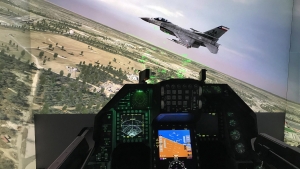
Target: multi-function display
pixel 132 125
pixel 174 143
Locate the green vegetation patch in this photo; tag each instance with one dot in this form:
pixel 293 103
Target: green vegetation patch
pixel 95 74
pixel 14 87
pixel 59 94
pixel 289 130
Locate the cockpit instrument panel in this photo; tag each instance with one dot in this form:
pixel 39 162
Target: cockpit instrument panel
pixel 180 123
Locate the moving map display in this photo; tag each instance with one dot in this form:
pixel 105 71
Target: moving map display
pixel 174 142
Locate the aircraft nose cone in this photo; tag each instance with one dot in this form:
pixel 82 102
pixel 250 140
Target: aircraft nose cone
pixel 145 19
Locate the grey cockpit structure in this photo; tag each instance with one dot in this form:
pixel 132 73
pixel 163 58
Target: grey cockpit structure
pixel 162 19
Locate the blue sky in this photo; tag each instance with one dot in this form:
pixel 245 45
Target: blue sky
pixel 178 136
pixel 255 49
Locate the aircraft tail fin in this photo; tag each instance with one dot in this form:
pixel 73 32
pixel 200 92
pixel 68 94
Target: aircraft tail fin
pixel 212 48
pixel 217 32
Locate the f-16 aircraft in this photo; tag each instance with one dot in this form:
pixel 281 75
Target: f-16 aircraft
pixel 190 38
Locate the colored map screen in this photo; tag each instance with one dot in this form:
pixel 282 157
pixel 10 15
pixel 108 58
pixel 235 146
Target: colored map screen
pixel 174 143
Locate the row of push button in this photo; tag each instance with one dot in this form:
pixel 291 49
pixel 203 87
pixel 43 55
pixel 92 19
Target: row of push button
pixel 178 91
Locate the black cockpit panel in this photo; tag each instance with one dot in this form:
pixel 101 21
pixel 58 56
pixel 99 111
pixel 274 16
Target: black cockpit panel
pixel 205 123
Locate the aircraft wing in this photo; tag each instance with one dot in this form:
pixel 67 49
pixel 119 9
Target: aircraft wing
pixel 185 40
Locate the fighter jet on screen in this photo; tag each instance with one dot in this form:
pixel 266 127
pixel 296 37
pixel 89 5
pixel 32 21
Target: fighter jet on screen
pixel 190 38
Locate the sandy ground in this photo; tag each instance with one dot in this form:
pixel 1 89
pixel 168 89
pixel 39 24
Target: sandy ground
pixel 35 39
pixel 25 48
pixel 19 147
pixel 10 125
pixel 30 142
pixel 34 83
pixel 31 165
pixel 110 88
pixel 89 56
pixel 23 38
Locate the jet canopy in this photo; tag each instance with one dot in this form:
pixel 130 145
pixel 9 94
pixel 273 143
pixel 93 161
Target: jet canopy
pixel 162 20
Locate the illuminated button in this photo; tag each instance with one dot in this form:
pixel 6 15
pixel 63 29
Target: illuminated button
pixel 200 91
pixel 200 104
pixel 162 104
pixel 174 97
pixel 173 91
pixel 173 103
pixel 235 135
pixel 168 91
pixel 240 148
pixel 232 123
pixel 179 97
pixel 230 114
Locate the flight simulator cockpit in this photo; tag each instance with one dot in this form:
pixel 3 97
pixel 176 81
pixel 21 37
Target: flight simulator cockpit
pixel 176 124
pixel 161 19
